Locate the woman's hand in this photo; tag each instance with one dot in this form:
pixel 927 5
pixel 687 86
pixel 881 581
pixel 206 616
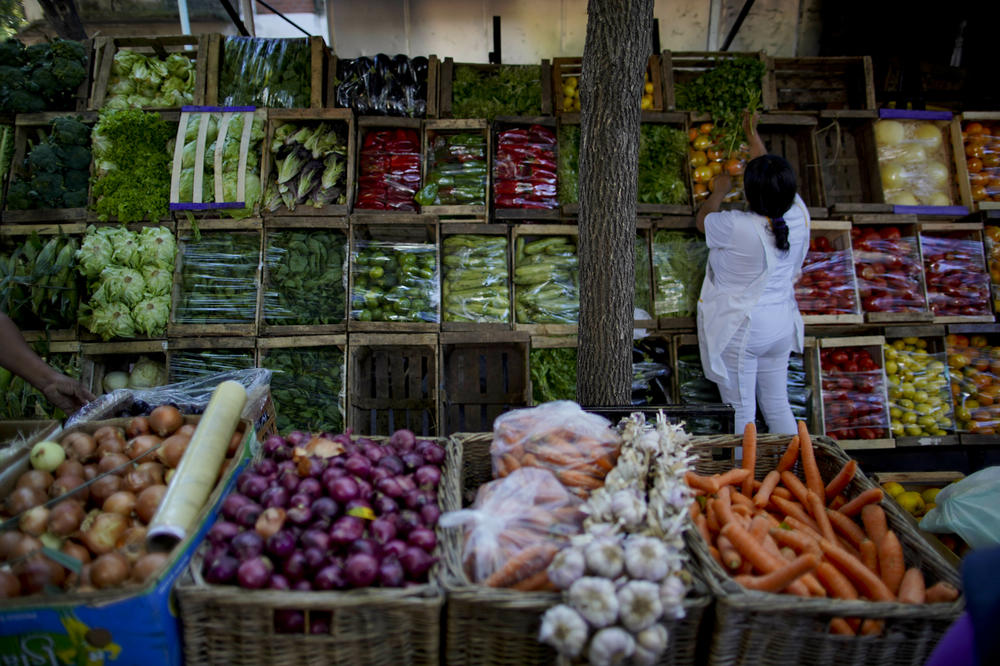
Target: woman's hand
pixel 753 138
pixel 723 183
pixel 65 393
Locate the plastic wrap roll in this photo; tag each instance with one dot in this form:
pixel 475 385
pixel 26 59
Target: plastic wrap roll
pixel 199 468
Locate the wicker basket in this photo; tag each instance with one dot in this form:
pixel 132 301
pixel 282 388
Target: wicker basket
pixel 775 629
pixel 224 624
pixel 499 627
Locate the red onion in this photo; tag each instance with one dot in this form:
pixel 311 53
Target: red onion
pixel 403 440
pixel 302 586
pixel 289 480
pixel 416 561
pixel 281 544
pixel 315 558
pixel 406 520
pixel 233 503
pixel 373 451
pixel 274 497
pixel 380 473
pixel 248 514
pixel 330 474
pixel 298 438
pixel 222 532
pixel 266 468
pixel 383 529
pixel 289 621
pixel 395 548
pixel 406 483
pixel 422 537
pixel 430 513
pixel 254 573
pixel 392 463
pixel 309 486
pixel 314 538
pixel 427 475
pixel 247 545
pixel 325 507
pixel 299 514
pixel 279 582
pixel 319 623
pixel 418 498
pixel 365 490
pixel 221 569
pixel 273 443
pixel 295 566
pixel 10 586
pixel 252 485
pixel 359 466
pixel 358 504
pixel 412 460
pixel 347 529
pixel 384 504
pixel 390 487
pixel 343 489
pixel 312 466
pixel 286 465
pixel 330 577
pixel 360 570
pixel 390 572
pixel 366 546
pixel 433 454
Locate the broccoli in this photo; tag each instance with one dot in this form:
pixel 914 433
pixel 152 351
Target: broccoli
pixel 65 48
pixel 36 54
pixel 11 78
pixel 44 158
pixel 48 189
pixel 22 101
pixel 19 196
pixel 75 198
pixel 76 158
pixel 70 132
pixel 44 83
pixel 12 53
pixel 77 179
pixel 69 74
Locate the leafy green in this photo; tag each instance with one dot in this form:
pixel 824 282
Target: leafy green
pixel 553 374
pixel 139 80
pixel 662 164
pixel 218 279
pixel 21 400
pixel 305 277
pixel 109 320
pixel 307 388
pixel 191 364
pixel 267 72
pixel 569 164
pixel 679 260
pixel 151 315
pixel 507 90
pixel 38 286
pixel 724 91
pixel 41 77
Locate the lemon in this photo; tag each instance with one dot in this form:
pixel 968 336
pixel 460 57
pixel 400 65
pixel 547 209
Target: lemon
pixel 930 495
pixel 913 430
pixel 891 367
pixel 572 82
pixel 648 87
pixel 895 412
pixel 898 429
pixel 912 502
pixel 893 488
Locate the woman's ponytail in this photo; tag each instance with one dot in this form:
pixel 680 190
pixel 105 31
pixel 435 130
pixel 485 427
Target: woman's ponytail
pixel 780 230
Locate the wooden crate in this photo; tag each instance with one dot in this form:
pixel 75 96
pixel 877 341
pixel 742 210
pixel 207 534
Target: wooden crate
pixel 194 47
pixel 873 345
pixel 968 238
pixel 644 274
pixel 793 136
pixel 435 128
pixel 674 223
pixel 100 358
pixel 308 385
pixel 343 119
pixel 419 232
pixel 869 259
pixel 815 84
pixel 500 124
pixel 680 67
pixel 838 235
pixel 564 68
pixel 367 124
pixel 680 121
pixel 949 546
pixel 848 162
pixel 232 353
pixel 972 350
pixel 304 224
pixel 446 78
pixel 455 228
pixel 990 198
pixel 523 234
pixel 393 383
pixel 250 227
pixel 541 342
pixel 30 126
pixel 483 376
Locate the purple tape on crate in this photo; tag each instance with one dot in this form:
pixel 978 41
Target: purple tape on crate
pixel 909 114
pixel 217 109
pixel 950 211
pixel 207 206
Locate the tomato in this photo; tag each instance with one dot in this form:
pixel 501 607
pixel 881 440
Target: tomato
pixel 716 167
pixel 890 233
pixel 705 128
pixel 850 367
pixel 702 142
pixel 974 164
pixel 979 193
pixel 735 167
pixel 702 174
pixel 699 189
pixel 692 134
pixel 975 128
pixel 697 158
pixel 974 150
pixel 823 244
pixel 839 357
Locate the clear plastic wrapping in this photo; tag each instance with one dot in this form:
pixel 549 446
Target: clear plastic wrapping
pixel 189 364
pixel 394 282
pixel 456 171
pixel 799 391
pixel 887 265
pixel 305 277
pixel 524 169
pixel 652 368
pixel 694 388
pixel 309 165
pixel 992 240
pixel 383 85
pixel 389 170
pixel 643 295
pixel 974 370
pixel 148 80
pixel 38 283
pixel 957 282
pixel 982 158
pixel 853 394
pixel 476 279
pixel 914 162
pixel 827 283
pixel 569 164
pixel 679 260
pixel 919 390
pixel 553 374
pixel 546 276
pixel 307 388
pixel 266 71
pixel 578 447
pixel 218 279
pixel 529 509
pixel 21 400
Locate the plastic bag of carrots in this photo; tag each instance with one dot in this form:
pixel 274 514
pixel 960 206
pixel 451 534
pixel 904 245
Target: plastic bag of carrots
pixel 803 537
pixel 515 527
pixel 579 448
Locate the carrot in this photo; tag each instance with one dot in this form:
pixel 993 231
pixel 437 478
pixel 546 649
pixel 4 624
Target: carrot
pixel 869 555
pixel 797 488
pixel 810 470
pixel 758 555
pixel 788 553
pixel 733 477
pixel 759 526
pixel 912 589
pixel 506 464
pixel 723 507
pixel 739 498
pixel 694 509
pixel 714 552
pixel 766 488
pixel 701 524
pixel 782 492
pixel 800 542
pixel 835 582
pixel 790 455
pixel 743 509
pixel 870 496
pixel 873 517
pixel 808 529
pixel 575 479
pixel 699 482
pixel 844 476
pixel 871 627
pixel 711 519
pixel 838 625
pixel 846 527
pixel 851 567
pixel 536 582
pixel 837 502
pixel 890 561
pixel 756 485
pixel 815 505
pixel 524 564
pixel 794 509
pixel 749 456
pixel 730 557
pixel 779 579
pixel 941 592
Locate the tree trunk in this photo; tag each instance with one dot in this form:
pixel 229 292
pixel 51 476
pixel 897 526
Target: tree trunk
pixel 64 18
pixel 614 61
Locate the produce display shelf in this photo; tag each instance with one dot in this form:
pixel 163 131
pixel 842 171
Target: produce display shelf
pixel 682 223
pixel 967 238
pixel 871 256
pixel 451 228
pixel 523 234
pixel 443 128
pixel 446 80
pixel 644 289
pixel 848 158
pixel 836 234
pixel 499 124
pixel 678 120
pixel 191 357
pixel 366 124
pixel 816 84
pixel 566 68
pixel 686 66
pixel 99 358
pixel 792 136
pixel 918 482
pixel 963 175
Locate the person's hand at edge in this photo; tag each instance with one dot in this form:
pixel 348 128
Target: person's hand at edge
pixel 757 147
pixel 64 392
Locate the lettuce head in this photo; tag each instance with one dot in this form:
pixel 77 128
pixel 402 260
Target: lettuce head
pixel 95 252
pixel 120 285
pixel 157 247
pixel 158 280
pixel 110 320
pixel 150 315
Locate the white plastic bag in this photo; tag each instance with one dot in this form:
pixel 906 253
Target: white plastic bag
pixel 969 508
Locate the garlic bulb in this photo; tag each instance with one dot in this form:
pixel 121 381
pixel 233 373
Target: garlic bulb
pixel 567 566
pixel 564 629
pixel 639 605
pixel 672 593
pixel 611 646
pixel 651 642
pixel 604 558
pixel 646 558
pixel 628 508
pixel 595 600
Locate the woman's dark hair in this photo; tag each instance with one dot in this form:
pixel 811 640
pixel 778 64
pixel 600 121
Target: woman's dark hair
pixel 769 185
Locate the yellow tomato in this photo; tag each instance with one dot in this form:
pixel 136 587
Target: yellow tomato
pixel 702 174
pixel 697 158
pixel 702 142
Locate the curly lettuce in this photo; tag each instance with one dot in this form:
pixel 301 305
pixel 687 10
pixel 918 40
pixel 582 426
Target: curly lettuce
pixel 111 320
pixel 95 252
pixel 157 247
pixel 151 316
pixel 120 284
pixel 158 280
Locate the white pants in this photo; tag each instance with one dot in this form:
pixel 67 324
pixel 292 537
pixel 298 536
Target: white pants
pixel 757 362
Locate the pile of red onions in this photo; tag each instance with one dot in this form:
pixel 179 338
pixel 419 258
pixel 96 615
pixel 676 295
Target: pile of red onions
pixel 364 518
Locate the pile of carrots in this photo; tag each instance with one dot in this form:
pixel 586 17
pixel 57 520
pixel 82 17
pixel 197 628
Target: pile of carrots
pixel 785 535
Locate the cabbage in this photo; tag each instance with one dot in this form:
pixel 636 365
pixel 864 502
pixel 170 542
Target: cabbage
pixel 122 87
pixel 125 61
pixel 151 315
pixel 95 252
pixel 147 373
pixel 179 66
pixel 120 285
pixel 229 184
pixel 125 246
pixel 111 320
pixel 157 247
pixel 158 280
pixel 191 131
pixel 115 380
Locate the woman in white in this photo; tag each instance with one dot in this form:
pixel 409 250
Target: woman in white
pixel 748 319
